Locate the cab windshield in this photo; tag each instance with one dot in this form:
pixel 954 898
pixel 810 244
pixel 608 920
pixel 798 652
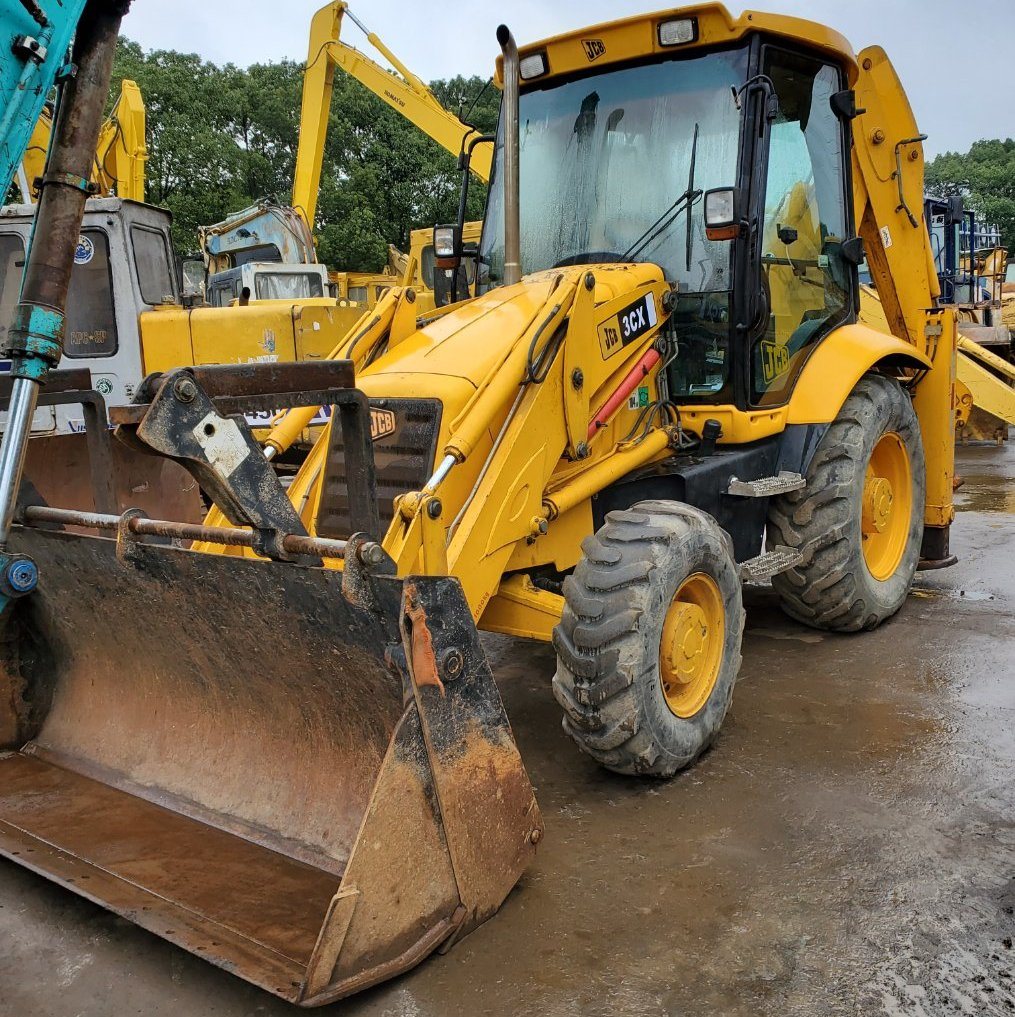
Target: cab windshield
pixel 613 168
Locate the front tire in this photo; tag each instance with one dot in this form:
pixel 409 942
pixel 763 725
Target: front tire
pixel 648 645
pixel 859 520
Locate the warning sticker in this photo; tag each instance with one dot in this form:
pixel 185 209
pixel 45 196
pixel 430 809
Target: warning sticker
pixel 84 252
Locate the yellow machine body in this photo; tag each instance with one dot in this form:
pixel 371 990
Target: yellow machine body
pixel 521 496
pixel 304 762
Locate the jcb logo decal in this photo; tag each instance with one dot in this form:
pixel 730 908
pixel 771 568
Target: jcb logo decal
pixel 774 361
pixel 382 423
pixel 594 48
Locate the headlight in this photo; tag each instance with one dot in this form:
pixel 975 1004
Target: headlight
pixel 678 32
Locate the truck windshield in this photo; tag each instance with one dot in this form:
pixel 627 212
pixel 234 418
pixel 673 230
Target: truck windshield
pixel 288 285
pixel 603 159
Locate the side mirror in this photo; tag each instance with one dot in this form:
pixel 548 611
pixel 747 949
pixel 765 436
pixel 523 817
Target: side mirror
pixel 956 210
pixel 722 219
pixel 853 252
pixel 447 246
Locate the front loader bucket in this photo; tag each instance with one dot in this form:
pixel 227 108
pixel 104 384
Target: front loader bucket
pixel 306 778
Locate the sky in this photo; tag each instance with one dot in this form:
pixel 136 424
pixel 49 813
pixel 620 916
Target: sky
pixel 952 67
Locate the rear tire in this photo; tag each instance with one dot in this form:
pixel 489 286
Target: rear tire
pixel 648 645
pixel 853 576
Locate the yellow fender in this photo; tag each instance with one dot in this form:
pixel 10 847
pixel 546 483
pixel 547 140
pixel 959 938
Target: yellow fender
pixel 839 362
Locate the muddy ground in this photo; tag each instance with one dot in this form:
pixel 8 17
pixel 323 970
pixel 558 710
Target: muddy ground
pixel 847 847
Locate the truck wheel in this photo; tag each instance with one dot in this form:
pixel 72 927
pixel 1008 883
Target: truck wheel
pixel 648 646
pixel 859 520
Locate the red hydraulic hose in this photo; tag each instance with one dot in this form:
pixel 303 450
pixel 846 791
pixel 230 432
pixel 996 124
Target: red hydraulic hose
pixel 626 387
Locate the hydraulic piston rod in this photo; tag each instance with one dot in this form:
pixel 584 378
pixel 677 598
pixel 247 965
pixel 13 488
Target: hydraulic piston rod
pixel 35 339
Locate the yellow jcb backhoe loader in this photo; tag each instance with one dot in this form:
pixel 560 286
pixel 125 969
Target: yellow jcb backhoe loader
pixel 292 758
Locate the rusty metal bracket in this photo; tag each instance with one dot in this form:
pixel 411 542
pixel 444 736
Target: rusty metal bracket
pixel 350 442
pixel 365 559
pixel 251 388
pixel 127 540
pixel 220 452
pixel 74 387
pixel 65 180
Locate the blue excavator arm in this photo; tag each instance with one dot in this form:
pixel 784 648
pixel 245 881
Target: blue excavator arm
pixel 36 36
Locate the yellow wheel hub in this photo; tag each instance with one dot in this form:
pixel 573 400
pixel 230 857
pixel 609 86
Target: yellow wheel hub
pixel 887 508
pixel 690 654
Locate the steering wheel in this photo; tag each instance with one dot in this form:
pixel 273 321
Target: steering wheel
pixel 592 258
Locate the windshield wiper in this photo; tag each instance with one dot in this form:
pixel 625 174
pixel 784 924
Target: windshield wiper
pixel 670 216
pixel 690 190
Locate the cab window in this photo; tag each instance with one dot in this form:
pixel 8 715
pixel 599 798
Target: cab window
pixel 288 285
pixel 806 279
pixel 91 317
pixel 220 293
pixel 12 265
pixel 152 261
pixel 426 266
pixel 358 293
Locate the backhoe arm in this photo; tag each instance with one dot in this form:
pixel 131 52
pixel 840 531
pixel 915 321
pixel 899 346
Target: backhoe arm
pixel 888 165
pixel 122 152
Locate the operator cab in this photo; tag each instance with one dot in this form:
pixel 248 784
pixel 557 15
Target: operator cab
pixel 725 163
pixel 267 281
pixel 123 265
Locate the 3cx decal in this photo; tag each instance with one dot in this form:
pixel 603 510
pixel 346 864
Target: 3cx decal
pixel 627 325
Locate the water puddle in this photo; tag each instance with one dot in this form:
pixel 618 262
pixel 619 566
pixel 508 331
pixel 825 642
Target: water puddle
pixel 934 594
pixel 798 637
pixel 982 492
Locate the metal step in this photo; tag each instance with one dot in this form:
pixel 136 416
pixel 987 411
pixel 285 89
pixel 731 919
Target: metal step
pixel 771 563
pixel 766 487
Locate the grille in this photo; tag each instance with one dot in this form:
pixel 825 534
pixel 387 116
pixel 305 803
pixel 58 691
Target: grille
pixel 403 460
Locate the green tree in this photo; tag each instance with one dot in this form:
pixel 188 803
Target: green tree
pixel 220 138
pixel 985 177
pixel 195 168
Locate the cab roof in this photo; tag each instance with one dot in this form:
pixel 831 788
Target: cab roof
pixel 615 42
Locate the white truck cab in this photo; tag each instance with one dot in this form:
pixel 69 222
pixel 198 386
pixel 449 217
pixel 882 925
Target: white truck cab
pixel 268 280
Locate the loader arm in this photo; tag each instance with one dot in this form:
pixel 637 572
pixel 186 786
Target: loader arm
pixel 403 91
pixel 518 460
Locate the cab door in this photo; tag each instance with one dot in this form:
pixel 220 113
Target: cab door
pixel 809 286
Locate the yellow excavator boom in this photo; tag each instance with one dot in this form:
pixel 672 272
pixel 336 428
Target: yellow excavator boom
pixel 403 91
pixel 120 156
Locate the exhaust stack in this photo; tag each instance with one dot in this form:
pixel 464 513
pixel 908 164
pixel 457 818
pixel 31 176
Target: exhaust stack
pixel 512 205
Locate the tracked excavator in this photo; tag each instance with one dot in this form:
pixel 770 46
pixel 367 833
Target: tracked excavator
pixel 281 746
